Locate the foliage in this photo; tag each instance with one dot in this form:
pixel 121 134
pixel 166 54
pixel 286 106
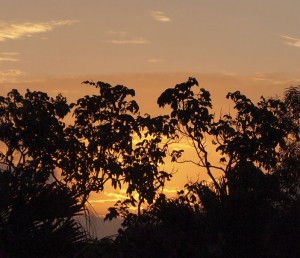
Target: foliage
pixel 31 133
pixel 288 169
pixel 48 170
pixel 242 211
pixel 101 145
pixel 36 220
pixel 36 213
pixel 253 135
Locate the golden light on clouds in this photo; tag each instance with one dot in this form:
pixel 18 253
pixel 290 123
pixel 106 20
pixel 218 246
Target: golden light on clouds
pixel 10 31
pixel 8 56
pixel 107 199
pixel 8 59
pixel 122 38
pixel 10 76
pixel 135 41
pixel 9 53
pixel 294 42
pixel 120 33
pixel 160 16
pixel 155 60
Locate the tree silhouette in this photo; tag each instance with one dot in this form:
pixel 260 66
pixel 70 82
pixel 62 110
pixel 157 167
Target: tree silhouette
pixel 111 142
pixel 239 213
pixel 288 165
pixel 36 213
pixel 48 169
pixel 251 136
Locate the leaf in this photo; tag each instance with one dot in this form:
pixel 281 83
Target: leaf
pixel 222 160
pixel 113 214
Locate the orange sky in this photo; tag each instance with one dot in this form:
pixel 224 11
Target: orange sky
pixel 252 46
pixel 72 37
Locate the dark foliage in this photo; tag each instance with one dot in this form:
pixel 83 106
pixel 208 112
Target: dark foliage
pixel 250 207
pixel 36 213
pixel 48 168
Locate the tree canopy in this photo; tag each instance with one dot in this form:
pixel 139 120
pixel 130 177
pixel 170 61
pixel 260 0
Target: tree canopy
pixel 49 168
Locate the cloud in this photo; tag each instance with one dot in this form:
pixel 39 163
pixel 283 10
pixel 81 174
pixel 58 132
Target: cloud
pixel 154 60
pixel 116 196
pixel 8 56
pixel 8 59
pixel 11 76
pixel 103 200
pixel 20 30
pixel 184 145
pixel 110 197
pixel 170 191
pixel 120 33
pixel 228 73
pixel 121 38
pixel 9 53
pixel 294 42
pixel 160 16
pixel 137 41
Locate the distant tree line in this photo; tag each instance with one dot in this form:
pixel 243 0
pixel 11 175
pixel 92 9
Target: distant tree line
pixel 48 170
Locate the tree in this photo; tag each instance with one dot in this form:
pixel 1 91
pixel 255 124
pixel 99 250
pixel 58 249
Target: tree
pixel 100 146
pixel 251 136
pixel 36 213
pixel 288 168
pixel 48 169
pixel 46 164
pixel 239 208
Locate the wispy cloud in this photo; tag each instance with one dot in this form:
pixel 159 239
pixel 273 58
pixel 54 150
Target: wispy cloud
pixel 294 42
pixel 155 60
pixel 119 33
pixel 160 16
pixel 170 191
pixel 275 78
pixel 11 76
pixel 9 53
pixel 103 200
pixel 136 41
pixel 110 197
pixel 122 38
pixel 229 73
pixel 10 31
pixel 8 56
pixel 8 59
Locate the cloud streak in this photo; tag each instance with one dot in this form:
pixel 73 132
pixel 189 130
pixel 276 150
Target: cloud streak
pixel 108 197
pixel 8 56
pixel 8 59
pixel 10 76
pixel 294 42
pixel 11 31
pixel 160 16
pixel 155 60
pixel 9 53
pixel 137 41
pixel 119 33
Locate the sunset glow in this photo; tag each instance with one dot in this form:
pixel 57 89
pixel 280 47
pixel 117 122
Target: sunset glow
pixel 52 46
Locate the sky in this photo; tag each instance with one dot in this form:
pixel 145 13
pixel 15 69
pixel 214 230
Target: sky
pixel 53 45
pixel 40 38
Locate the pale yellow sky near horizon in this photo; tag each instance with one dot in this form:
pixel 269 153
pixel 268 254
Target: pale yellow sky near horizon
pixel 53 45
